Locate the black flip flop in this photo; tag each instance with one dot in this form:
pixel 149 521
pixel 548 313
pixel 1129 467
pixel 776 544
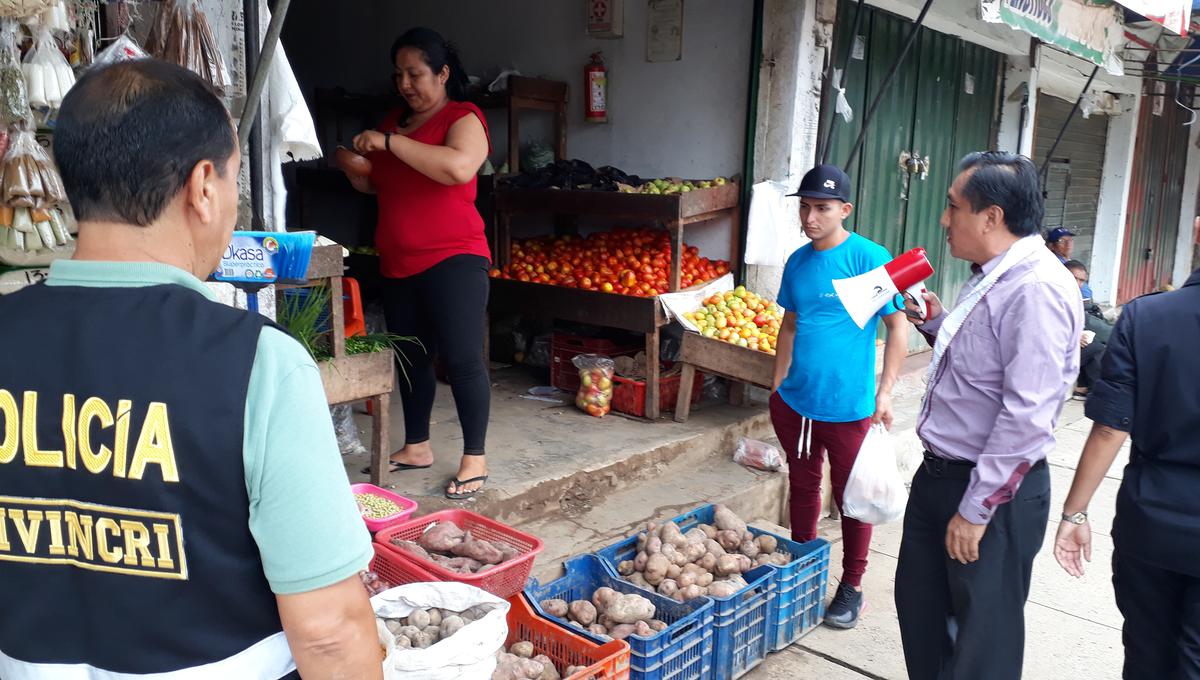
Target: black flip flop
pixel 398 467
pixel 458 483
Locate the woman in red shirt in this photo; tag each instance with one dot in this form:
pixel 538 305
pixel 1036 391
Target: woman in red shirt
pixel 433 253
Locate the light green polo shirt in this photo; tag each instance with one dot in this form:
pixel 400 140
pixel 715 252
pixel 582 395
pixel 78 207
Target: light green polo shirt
pixel 302 514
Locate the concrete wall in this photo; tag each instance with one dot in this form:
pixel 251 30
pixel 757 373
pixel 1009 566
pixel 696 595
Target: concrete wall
pixel 1114 191
pixel 678 118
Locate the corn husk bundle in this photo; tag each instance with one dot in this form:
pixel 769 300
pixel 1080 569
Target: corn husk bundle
pixel 23 8
pixel 182 35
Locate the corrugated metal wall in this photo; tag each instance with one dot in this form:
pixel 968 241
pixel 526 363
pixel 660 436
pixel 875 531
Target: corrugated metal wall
pixel 1080 155
pixel 1155 194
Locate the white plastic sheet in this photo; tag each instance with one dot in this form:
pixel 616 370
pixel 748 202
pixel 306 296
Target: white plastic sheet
pixel 773 225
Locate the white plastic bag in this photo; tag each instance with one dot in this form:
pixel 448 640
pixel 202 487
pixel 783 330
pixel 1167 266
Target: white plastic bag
pixel 756 454
pixel 468 654
pixel 875 493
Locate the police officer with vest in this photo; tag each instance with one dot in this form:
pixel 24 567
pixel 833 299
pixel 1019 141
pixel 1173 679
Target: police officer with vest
pixel 172 501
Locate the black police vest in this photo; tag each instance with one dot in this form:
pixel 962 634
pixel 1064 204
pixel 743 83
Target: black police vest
pixel 124 539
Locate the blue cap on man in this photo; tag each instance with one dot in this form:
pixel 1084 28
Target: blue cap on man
pixel 825 181
pixel 1057 233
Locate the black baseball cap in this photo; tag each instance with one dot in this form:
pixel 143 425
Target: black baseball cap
pixel 825 181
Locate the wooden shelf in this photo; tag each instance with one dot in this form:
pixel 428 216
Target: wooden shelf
pixel 739 364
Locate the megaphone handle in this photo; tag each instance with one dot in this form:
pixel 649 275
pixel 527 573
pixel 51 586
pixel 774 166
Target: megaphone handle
pixel 914 293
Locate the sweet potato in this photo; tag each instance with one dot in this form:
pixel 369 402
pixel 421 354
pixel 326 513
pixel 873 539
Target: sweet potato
pixel 507 552
pixel 583 611
pixel 654 545
pixel 603 597
pixel 522 649
pixel 686 579
pixel 482 551
pixel 411 548
pixel 668 588
pixel 745 564
pixel 622 631
pixel 674 571
pixel 705 579
pixel 728 564
pixel 463 565
pixel 729 540
pixel 767 543
pixel 670 534
pixel 657 626
pixel 597 629
pixel 749 549
pixel 625 568
pixel 639 562
pixel 689 593
pixel 548 670
pixel 727 520
pixel 693 551
pixel 441 537
pixel 558 608
pixel 643 629
pixel 628 608
pixel 709 530
pixel 656 569
pixel 696 535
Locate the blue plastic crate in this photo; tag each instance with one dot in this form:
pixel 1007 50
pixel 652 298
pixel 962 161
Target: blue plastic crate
pixel 684 651
pixel 744 622
pixel 799 588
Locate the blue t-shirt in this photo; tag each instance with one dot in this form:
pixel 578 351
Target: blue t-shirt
pixel 832 376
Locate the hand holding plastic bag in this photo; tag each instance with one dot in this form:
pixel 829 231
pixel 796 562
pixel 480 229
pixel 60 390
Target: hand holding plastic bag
pixel 875 492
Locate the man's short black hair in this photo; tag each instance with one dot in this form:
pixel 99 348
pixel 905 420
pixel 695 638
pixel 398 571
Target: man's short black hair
pixel 1008 181
pixel 130 134
pixel 1076 265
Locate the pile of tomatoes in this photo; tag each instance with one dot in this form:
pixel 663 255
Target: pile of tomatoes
pixel 624 261
pixel 740 318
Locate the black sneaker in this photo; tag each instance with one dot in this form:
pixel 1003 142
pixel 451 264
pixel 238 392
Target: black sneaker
pixel 847 604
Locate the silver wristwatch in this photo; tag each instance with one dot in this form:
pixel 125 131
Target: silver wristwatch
pixel 1077 518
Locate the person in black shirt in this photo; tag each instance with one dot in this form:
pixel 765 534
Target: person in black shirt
pixel 1147 391
pixel 1095 339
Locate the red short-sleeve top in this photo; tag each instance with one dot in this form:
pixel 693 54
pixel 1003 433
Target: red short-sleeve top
pixel 422 222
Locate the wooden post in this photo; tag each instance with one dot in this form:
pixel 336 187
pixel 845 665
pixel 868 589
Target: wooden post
pixel 380 438
pixel 683 403
pixel 652 375
pixel 337 317
pixel 676 229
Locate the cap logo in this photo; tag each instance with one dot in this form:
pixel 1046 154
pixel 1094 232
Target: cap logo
pixel 830 184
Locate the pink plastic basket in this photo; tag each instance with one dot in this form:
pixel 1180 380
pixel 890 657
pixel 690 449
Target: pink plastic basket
pixel 504 580
pixel 407 506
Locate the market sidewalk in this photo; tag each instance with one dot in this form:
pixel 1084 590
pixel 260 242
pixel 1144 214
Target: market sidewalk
pixel 1072 626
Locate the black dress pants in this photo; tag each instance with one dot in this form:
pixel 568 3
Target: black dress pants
pixel 1162 619
pixel 967 622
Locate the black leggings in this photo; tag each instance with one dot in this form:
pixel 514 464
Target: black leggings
pixel 444 307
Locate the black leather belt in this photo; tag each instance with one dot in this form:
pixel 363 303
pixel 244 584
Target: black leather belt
pixel 957 469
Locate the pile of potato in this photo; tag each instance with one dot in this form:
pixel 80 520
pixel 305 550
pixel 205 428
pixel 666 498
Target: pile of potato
pixel 447 545
pixel 608 614
pixel 520 663
pixel 707 560
pixel 426 627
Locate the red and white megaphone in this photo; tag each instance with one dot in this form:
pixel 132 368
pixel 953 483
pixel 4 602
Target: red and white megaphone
pixel 903 277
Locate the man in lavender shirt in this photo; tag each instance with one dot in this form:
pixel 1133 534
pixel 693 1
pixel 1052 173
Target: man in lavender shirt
pixel 1004 360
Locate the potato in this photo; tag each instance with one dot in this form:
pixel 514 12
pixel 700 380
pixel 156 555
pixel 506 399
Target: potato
pixel 708 562
pixel 598 629
pixel 657 626
pixel 729 540
pixel 583 611
pixel 523 649
pixel 727 520
pixel 722 589
pixel 656 569
pixel 749 549
pixel 639 580
pixel 434 632
pixel 670 534
pixel 409 632
pixel 548 670
pixel 555 607
pixel 694 551
pixel 781 559
pixel 423 640
pixel 686 579
pixel 714 548
pixel 654 545
pixel 728 564
pixel 435 617
pixel 696 535
pixel 393 626
pixel 603 597
pixel 762 559
pixel 643 629
pixel 767 543
pixel 622 631
pixel 418 618
pixel 403 642
pixel 745 564
pixel 625 568
pixel 690 593
pixel 668 588
pixel 530 668
pixel 451 625
pixel 576 624
pixel 674 571
pixel 629 608
pixel 709 530
pixel 639 562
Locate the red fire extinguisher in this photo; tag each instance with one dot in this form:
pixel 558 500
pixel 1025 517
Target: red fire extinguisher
pixel 595 85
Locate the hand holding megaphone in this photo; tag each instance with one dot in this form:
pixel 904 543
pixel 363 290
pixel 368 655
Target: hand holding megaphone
pixel 899 281
pixel 933 308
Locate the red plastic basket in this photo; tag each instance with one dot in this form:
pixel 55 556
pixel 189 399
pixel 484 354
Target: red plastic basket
pixel 563 348
pixel 629 395
pixel 504 580
pixel 609 661
pixel 407 506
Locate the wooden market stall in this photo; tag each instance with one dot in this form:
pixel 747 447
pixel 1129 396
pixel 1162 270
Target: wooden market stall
pixel 674 213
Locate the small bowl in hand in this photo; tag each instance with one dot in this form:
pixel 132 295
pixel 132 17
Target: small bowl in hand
pixel 352 163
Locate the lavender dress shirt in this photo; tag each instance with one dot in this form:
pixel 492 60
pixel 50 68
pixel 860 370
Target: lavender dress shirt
pixel 1002 382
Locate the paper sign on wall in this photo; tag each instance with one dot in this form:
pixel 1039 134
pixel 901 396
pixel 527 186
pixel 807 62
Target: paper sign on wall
pixel 664 30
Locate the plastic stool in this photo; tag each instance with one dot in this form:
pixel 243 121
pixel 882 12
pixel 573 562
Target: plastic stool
pixel 356 321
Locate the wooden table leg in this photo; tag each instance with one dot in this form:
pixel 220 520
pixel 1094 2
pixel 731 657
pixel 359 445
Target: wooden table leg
pixel 683 403
pixel 737 393
pixel 380 439
pixel 652 375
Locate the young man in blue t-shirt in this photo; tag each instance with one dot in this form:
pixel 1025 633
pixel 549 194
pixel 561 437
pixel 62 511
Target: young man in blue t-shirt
pixel 825 398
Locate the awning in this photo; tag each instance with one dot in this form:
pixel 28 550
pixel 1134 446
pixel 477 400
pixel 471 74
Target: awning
pixel 1174 15
pixel 1092 30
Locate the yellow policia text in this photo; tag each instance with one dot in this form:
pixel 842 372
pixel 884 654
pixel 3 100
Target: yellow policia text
pixel 82 433
pixel 91 536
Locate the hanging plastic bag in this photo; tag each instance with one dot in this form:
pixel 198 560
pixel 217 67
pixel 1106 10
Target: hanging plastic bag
pixel 469 653
pixel 123 48
pixel 595 384
pixel 14 101
pixel 30 179
pixel 48 76
pixel 22 8
pixel 346 430
pixel 875 492
pixel 843 105
pixel 759 455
